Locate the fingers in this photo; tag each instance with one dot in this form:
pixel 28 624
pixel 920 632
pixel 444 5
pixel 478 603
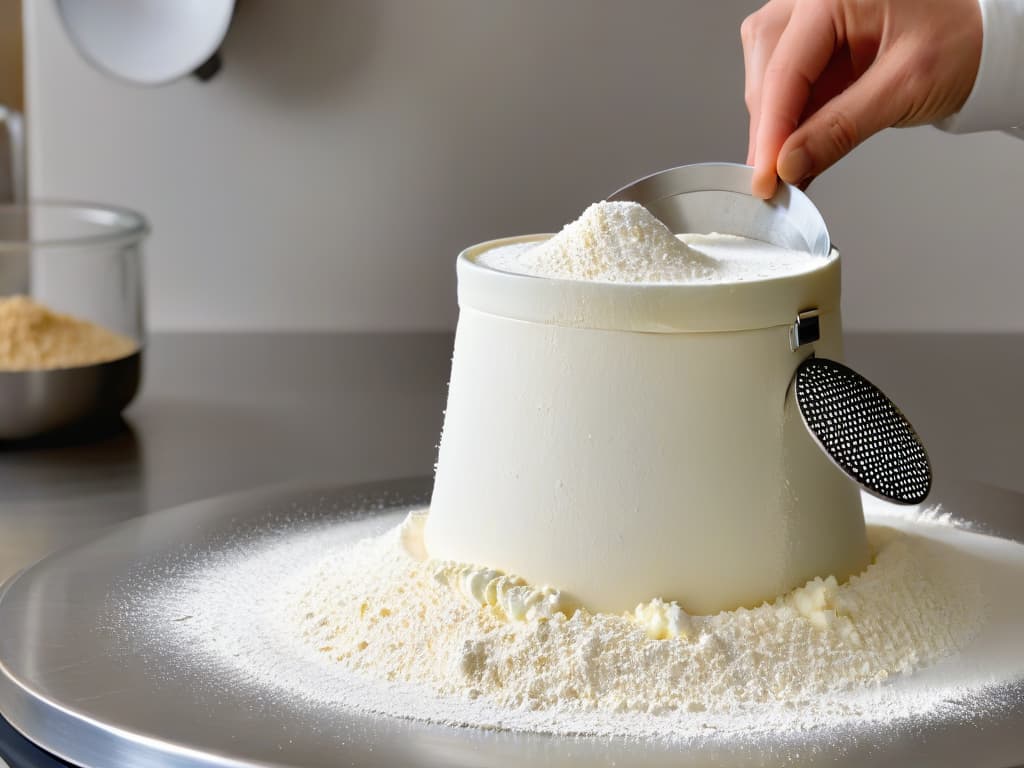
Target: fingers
pixel 803 52
pixel 871 103
pixel 839 71
pixel 760 33
pixel 834 80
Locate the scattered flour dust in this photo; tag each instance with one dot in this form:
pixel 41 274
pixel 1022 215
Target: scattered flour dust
pixel 342 616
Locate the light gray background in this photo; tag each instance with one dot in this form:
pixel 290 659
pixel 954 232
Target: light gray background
pixel 327 178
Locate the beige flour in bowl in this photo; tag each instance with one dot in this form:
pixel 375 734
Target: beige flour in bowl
pixel 34 337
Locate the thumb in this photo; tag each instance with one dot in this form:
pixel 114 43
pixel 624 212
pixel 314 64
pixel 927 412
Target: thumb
pixel 870 104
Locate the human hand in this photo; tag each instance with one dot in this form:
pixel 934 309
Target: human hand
pixel 824 75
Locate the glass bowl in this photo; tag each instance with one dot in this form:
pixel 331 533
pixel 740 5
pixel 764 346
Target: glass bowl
pixel 72 329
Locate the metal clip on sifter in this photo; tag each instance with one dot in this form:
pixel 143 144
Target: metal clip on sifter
pixel 860 429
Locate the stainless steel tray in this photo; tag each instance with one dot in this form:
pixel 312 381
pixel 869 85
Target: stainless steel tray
pixel 72 686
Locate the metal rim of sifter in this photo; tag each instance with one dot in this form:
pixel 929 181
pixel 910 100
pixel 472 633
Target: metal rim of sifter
pixel 715 197
pixel 856 425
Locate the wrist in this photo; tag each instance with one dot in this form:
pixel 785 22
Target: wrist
pixel 996 100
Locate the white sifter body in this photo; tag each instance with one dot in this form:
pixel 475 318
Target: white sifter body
pixel 627 442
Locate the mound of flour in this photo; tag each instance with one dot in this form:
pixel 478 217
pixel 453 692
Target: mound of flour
pixel 617 242
pixel 378 611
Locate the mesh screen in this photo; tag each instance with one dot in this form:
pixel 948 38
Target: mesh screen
pixel 863 431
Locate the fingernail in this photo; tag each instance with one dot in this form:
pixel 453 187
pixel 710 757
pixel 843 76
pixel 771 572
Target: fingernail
pixel 796 166
pixel 763 187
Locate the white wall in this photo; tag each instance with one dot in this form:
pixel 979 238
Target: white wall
pixel 328 176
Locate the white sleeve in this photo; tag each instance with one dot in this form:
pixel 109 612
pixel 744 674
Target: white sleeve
pixel 997 100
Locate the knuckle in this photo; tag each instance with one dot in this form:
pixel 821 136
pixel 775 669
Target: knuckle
pixel 841 131
pixel 749 28
pixel 928 60
pixel 919 73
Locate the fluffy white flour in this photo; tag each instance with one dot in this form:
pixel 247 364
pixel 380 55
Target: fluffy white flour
pixel 377 609
pixel 609 242
pixel 624 243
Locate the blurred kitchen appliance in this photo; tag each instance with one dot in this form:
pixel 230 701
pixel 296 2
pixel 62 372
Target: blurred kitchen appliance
pixel 149 42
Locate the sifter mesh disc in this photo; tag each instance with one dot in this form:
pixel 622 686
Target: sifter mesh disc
pixel 863 431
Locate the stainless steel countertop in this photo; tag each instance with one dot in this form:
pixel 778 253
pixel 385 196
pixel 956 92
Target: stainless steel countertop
pixel 225 412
